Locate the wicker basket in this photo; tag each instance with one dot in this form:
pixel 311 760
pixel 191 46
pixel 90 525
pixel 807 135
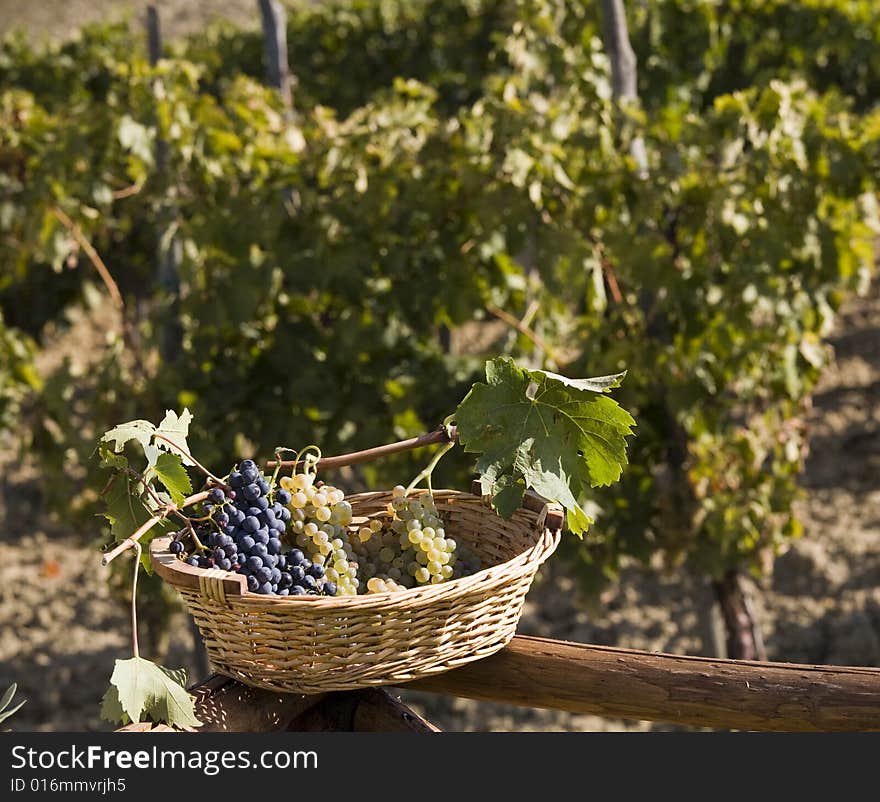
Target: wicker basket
pixel 311 644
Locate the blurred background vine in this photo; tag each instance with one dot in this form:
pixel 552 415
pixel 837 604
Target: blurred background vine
pixel 451 182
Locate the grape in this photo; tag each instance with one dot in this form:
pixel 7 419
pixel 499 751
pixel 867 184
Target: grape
pixel 386 555
pixel 283 496
pixel 225 564
pixel 261 536
pixel 246 543
pixel 316 571
pixel 235 480
pixel 296 590
pixel 194 561
pixel 176 547
pixel 216 495
pixel 251 492
pixel 265 589
pixel 252 583
pixel 254 563
pixel 250 524
pixel 295 557
pixel 309 582
pixel 274 546
pixel 298 573
pixel 329 588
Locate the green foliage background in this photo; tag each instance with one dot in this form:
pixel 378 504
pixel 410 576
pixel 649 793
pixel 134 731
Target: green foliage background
pixel 443 160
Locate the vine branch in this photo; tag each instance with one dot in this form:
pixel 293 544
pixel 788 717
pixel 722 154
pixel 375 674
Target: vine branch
pixel 94 257
pixel 194 461
pixel 523 328
pixel 445 434
pixel 132 540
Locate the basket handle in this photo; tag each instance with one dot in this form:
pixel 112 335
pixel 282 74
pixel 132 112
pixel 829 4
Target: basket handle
pixel 214 584
pixel 554 514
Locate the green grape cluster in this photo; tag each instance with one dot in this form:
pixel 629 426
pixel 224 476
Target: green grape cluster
pixel 412 549
pixel 320 516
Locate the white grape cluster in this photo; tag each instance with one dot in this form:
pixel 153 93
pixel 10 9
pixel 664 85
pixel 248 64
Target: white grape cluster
pixel 320 516
pixel 411 550
pixel 408 549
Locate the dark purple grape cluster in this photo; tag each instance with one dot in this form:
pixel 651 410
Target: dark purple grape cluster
pixel 245 533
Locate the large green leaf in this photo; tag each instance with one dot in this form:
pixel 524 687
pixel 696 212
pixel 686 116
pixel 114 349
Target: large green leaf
pixel 144 689
pixel 173 475
pixel 538 430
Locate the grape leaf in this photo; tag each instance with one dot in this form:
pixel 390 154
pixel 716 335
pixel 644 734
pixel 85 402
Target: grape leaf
pixel 111 707
pixel 110 459
pixel 126 512
pixel 173 475
pixel 140 430
pixel 151 452
pixel 176 429
pixel 598 384
pixel 145 689
pixel 536 429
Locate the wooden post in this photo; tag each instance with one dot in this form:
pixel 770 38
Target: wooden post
pixel 168 249
pixel 275 49
pixel 624 73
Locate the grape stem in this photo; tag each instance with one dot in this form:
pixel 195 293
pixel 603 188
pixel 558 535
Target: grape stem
pixel 428 470
pixel 194 461
pixel 445 434
pixel 132 540
pixel 134 584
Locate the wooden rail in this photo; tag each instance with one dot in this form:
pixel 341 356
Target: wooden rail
pixel 694 691
pixel 579 678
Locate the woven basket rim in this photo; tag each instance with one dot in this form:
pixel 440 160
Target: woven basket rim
pixel 179 574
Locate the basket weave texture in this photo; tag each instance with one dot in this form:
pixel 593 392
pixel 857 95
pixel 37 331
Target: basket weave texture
pixel 313 644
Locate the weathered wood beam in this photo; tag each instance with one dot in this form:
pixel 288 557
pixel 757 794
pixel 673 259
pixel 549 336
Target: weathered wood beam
pixel 694 691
